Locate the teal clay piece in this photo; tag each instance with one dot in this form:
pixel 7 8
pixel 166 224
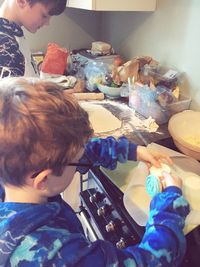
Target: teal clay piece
pixel 153 185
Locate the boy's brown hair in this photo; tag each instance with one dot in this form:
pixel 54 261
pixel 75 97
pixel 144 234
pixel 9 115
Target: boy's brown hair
pixel 56 6
pixel 41 127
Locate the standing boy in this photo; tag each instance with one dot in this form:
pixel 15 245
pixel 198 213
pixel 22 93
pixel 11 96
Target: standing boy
pixel 44 134
pixel 15 55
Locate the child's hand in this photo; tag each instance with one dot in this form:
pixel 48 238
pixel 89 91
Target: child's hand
pixel 151 157
pixel 169 180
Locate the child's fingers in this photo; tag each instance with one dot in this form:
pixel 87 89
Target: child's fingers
pixel 160 156
pixel 170 180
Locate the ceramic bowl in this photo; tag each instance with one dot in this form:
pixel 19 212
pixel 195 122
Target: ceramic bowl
pixel 110 92
pixel 184 127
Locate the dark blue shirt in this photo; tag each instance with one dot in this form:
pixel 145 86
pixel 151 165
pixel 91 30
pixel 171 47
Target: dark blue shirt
pixel 11 58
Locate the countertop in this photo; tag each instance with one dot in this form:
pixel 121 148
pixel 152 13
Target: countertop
pixel 138 135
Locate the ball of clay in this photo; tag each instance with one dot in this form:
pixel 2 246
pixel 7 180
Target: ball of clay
pixel 158 171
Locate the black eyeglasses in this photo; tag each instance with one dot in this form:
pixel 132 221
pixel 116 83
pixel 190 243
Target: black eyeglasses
pixel 76 164
pixel 79 164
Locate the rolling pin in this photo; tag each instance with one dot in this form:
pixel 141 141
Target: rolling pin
pixel 89 96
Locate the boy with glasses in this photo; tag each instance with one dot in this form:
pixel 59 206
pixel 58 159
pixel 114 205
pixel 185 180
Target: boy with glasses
pixel 44 136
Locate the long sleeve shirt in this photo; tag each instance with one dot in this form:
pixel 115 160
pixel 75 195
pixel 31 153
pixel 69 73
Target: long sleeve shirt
pixel 15 55
pixel 50 234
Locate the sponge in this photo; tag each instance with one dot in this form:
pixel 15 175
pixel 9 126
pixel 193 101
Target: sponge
pixel 153 180
pixel 153 185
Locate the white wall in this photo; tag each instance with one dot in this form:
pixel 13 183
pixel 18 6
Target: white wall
pixel 72 29
pixel 171 35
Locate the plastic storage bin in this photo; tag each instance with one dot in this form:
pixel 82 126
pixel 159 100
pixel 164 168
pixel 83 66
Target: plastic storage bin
pixel 163 75
pixel 143 100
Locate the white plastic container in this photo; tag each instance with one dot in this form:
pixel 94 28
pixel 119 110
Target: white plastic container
pixel 143 100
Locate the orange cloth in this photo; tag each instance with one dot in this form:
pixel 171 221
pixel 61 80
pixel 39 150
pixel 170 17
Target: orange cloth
pixel 55 60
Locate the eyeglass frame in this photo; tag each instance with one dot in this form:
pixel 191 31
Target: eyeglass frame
pixel 76 164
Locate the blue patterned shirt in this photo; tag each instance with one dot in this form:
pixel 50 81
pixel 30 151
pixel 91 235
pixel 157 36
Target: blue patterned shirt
pixel 50 234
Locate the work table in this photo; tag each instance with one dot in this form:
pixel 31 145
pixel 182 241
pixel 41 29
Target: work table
pixel 131 127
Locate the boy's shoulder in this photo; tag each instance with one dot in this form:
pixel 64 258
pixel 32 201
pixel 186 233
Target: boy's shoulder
pixel 45 230
pixel 11 57
pixel 11 29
